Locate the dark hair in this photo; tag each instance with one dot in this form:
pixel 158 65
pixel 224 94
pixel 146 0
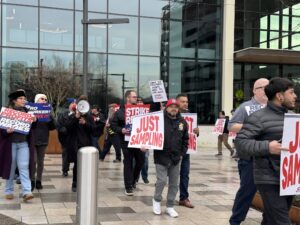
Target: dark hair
pixel 82 97
pixel 181 95
pixel 128 92
pixel 277 84
pixel 223 113
pixel 232 111
pixel 96 107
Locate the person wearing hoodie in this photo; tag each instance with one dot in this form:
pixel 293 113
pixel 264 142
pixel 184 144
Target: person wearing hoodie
pixel 41 139
pixel 167 161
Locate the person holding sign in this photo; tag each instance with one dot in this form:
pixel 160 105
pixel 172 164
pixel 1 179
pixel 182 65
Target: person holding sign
pixel 41 139
pixel 167 161
pixel 247 190
pixel 260 137
pixel 223 138
pixel 182 100
pixel 131 174
pixel 17 150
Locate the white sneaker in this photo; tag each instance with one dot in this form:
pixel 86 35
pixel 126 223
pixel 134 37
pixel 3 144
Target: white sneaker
pixel 156 207
pixel 171 212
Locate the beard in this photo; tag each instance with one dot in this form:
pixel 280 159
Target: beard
pixel 288 105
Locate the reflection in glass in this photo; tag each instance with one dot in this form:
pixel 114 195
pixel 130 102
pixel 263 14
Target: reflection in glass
pixel 53 58
pixel 20 30
pixel 150 34
pixel 94 5
pixel 66 4
pixel 128 7
pixel 96 33
pixel 149 70
pixel 56 32
pixel 123 38
pixel 15 64
pixel 22 2
pixel 153 8
pixel 126 65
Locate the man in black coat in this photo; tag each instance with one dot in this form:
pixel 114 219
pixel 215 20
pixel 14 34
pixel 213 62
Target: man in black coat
pixel 167 161
pixel 131 174
pixel 260 138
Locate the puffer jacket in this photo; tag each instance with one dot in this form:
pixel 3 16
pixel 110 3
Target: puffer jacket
pixel 259 129
pixel 176 140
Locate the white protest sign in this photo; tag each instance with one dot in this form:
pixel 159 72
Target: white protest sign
pixel 147 131
pixel 191 119
pixel 290 160
pixel 158 91
pixel 219 126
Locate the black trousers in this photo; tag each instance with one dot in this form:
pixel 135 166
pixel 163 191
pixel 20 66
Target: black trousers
pixel 131 174
pixel 112 140
pixel 276 208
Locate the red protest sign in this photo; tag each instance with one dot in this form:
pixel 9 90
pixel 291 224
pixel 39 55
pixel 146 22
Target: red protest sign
pixel 19 121
pixel 219 126
pixel 147 131
pixel 191 119
pixel 131 111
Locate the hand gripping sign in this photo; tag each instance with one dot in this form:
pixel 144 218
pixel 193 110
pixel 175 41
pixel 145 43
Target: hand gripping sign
pixel 19 121
pixel 41 111
pixel 131 111
pixel 219 126
pixel 158 91
pixel 147 131
pixel 290 160
pixel 191 119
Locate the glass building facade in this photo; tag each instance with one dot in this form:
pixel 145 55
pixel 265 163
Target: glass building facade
pixel 176 41
pixel 267 24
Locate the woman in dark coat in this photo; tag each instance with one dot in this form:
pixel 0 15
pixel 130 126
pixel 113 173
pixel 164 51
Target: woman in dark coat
pixel 16 149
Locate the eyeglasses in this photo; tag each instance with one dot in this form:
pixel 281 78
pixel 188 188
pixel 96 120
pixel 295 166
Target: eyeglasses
pixel 44 99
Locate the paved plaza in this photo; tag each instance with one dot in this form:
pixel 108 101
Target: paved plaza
pixel 213 184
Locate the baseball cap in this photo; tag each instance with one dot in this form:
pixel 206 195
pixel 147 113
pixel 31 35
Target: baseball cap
pixel 171 101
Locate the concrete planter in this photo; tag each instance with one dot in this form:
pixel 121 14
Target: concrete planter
pixel 294 211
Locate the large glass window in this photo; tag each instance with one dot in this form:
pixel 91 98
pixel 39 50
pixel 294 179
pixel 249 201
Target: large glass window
pixel 19 29
pixel 123 38
pixel 66 4
pixel 96 33
pixel 151 36
pixel 94 5
pixel 22 2
pixel 56 29
pixel 128 7
pixel 119 66
pixel 149 70
pixel 153 8
pixel 53 59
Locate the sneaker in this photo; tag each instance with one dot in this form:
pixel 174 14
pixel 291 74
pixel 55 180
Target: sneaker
pixel 27 197
pixel 128 191
pixel 9 196
pixel 146 181
pixel 156 207
pixel 18 180
pixel 38 185
pixel 134 185
pixel 65 174
pixel 32 185
pixel 171 212
pixel 231 153
pixel 117 161
pixel 74 187
pixel 219 154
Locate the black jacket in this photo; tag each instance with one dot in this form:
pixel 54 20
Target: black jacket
pixel 118 123
pixel 259 129
pixel 176 141
pixel 41 131
pixel 75 135
pixel 99 125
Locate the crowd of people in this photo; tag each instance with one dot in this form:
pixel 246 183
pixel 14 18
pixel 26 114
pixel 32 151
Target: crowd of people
pixel 257 122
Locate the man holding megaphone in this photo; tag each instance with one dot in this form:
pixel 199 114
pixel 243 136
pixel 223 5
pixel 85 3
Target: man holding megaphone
pixel 79 126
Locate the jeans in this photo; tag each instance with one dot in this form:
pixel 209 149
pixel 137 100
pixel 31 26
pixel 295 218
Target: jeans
pixel 144 171
pixel 20 158
pixel 162 175
pixel 245 194
pixel 184 177
pixel 39 156
pixel 95 143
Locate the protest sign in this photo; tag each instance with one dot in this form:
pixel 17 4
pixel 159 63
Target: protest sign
pixel 219 126
pixel 290 160
pixel 40 110
pixel 158 91
pixel 133 110
pixel 147 131
pixel 232 134
pixel 19 121
pixel 191 119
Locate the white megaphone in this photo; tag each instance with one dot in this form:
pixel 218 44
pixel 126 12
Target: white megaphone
pixel 83 107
